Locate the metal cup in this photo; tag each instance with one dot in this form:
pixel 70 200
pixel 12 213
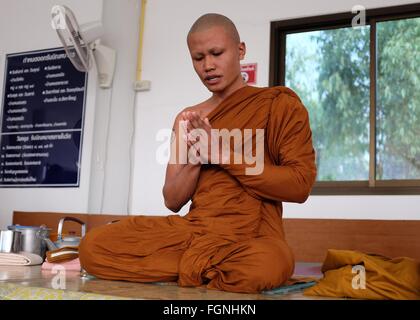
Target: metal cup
pixel 10 241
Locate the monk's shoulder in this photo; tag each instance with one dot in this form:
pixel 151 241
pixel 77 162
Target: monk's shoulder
pixel 282 92
pixel 286 108
pixel 284 99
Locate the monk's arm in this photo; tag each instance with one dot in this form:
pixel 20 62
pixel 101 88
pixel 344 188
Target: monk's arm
pixel 180 184
pixel 289 140
pixel 278 183
pixel 181 178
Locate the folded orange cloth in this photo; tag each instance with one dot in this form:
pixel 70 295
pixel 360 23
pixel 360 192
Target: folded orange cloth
pixel 63 254
pixel 368 276
pixel 72 265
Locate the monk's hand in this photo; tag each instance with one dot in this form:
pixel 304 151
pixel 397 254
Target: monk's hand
pixel 187 129
pixel 202 138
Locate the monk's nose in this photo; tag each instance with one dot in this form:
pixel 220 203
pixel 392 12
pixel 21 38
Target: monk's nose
pixel 209 64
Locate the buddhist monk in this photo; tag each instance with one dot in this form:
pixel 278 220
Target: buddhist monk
pixel 232 238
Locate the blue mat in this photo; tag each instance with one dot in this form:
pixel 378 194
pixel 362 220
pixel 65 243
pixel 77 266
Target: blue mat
pixel 290 288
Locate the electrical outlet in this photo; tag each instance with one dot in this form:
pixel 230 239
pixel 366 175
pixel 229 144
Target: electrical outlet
pixel 142 85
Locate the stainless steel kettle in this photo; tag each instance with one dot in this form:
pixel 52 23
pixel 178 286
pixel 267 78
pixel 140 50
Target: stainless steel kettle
pixel 69 241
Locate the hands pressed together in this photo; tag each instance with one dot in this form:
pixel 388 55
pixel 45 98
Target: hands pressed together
pixel 202 143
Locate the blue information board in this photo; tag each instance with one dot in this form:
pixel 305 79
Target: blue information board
pixel 42 120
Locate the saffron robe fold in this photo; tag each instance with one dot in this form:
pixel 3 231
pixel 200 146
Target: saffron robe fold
pixel 232 237
pixel 355 274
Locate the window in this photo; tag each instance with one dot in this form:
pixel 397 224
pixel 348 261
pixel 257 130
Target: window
pixel 361 86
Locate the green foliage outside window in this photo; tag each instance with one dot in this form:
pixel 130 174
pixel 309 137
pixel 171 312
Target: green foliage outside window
pixel 329 70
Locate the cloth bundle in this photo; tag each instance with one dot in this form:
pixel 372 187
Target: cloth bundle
pixel 368 276
pixel 62 254
pixel 20 259
pixel 72 265
pixel 67 257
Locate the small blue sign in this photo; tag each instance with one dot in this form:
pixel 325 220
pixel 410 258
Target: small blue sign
pixel 42 120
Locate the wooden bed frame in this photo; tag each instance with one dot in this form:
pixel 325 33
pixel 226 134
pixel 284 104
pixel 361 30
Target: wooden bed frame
pixel 309 238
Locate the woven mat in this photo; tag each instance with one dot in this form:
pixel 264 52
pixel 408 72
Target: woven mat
pixel 10 291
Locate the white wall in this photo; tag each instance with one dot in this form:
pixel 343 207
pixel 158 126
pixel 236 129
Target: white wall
pixel 25 26
pixel 175 86
pixel 114 122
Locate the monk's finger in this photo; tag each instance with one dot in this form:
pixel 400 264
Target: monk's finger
pixel 207 122
pixel 184 116
pixel 183 124
pixel 195 120
pixel 202 124
pixel 188 126
pixel 194 154
pixel 188 115
pixel 185 138
pixel 200 121
pixel 191 138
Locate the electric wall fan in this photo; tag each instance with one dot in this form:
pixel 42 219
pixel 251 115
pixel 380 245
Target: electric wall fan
pixel 82 44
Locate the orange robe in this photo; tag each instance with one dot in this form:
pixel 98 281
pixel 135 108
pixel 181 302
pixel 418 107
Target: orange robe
pixel 354 274
pixel 232 238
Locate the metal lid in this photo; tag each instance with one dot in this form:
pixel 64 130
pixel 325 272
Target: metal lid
pixel 19 227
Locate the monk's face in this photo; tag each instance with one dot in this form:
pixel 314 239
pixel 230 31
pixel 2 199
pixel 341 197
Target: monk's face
pixel 216 58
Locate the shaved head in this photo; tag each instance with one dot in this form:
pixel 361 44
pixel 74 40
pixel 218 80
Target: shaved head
pixel 210 20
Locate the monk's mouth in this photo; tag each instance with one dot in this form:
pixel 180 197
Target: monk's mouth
pixel 212 79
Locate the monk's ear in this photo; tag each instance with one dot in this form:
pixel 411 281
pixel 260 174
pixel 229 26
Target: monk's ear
pixel 242 50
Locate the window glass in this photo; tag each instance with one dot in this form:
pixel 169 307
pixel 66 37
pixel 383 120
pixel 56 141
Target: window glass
pixel 398 99
pixel 329 70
